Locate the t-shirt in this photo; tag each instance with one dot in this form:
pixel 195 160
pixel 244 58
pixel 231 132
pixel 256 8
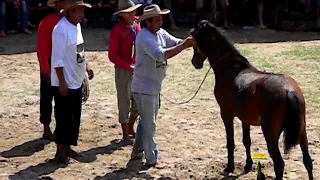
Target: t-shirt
pixel 68 52
pixel 151 64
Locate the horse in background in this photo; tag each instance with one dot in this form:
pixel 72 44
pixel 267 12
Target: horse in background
pixel 273 101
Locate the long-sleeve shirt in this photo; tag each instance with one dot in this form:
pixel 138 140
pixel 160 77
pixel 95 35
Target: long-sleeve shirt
pixel 68 53
pixel 151 65
pixel 121 47
pixel 44 43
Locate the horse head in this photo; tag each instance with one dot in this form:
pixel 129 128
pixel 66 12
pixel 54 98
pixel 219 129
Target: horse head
pixel 210 43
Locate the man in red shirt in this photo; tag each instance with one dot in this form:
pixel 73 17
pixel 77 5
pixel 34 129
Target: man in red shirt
pixel 122 54
pixel 44 47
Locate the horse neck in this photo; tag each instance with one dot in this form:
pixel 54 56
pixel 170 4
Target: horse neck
pixel 232 64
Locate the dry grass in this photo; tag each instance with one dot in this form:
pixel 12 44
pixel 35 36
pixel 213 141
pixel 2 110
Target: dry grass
pixel 191 136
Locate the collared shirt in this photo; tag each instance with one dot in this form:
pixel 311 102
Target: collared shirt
pixel 151 65
pixel 122 44
pixel 44 42
pixel 68 53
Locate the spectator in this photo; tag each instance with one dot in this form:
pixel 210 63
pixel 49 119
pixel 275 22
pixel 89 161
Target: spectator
pixel 260 5
pixel 44 48
pixel 68 68
pixel 154 46
pixel 168 5
pixel 318 14
pixel 24 17
pixel 21 9
pixel 213 13
pixel 2 18
pixel 144 4
pixel 248 13
pixel 122 54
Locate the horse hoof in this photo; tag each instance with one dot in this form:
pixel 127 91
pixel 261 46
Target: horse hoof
pixel 248 168
pixel 228 169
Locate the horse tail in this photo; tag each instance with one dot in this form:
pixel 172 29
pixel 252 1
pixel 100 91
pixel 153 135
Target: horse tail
pixel 293 121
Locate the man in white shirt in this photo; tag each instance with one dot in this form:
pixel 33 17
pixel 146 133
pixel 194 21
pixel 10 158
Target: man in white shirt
pixel 68 67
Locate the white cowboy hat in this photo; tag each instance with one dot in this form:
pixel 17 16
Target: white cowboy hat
pixel 152 11
pixel 74 3
pixel 52 3
pixel 126 6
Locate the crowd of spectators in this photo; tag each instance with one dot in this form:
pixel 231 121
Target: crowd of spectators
pixel 14 14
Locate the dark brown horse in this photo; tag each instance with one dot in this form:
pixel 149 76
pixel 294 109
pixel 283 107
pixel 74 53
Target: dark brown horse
pixel 272 101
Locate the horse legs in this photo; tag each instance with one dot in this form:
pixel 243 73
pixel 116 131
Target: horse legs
pixel 247 143
pixel 272 140
pixel 228 123
pixel 307 161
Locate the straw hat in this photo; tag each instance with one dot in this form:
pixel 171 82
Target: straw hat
pixel 126 6
pixel 52 3
pixel 74 3
pixel 152 11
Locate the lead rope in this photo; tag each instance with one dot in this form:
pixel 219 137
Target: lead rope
pixel 85 90
pixel 195 94
pixel 184 102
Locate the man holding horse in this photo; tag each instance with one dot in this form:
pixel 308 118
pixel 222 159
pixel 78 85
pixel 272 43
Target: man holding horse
pixel 154 46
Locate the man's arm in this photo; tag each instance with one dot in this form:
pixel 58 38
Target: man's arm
pixel 58 58
pixel 43 43
pixel 158 53
pixel 170 39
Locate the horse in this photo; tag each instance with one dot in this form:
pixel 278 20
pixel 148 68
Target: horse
pixel 273 101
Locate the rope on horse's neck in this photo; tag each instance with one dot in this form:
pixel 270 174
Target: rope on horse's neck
pixel 195 94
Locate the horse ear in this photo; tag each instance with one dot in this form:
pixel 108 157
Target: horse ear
pixel 200 23
pixel 203 22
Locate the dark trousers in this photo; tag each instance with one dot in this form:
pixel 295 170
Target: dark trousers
pixel 67 112
pixel 46 96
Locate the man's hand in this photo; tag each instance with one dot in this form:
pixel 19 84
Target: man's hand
pixel 47 77
pixel 63 89
pixel 90 74
pixel 189 42
pixel 190 32
pixel 131 70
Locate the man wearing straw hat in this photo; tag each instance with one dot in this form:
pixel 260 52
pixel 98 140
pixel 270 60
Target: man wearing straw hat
pixel 154 46
pixel 122 54
pixel 68 67
pixel 44 47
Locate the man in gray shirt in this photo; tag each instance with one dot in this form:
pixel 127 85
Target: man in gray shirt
pixel 154 46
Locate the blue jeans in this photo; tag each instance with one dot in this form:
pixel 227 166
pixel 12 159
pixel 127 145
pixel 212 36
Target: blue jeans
pixel 2 15
pixel 24 16
pixel 148 106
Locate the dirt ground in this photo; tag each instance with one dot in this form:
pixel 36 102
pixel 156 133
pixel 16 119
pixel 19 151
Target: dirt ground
pixel 191 137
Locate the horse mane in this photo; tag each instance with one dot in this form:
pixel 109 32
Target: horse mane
pixel 223 37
